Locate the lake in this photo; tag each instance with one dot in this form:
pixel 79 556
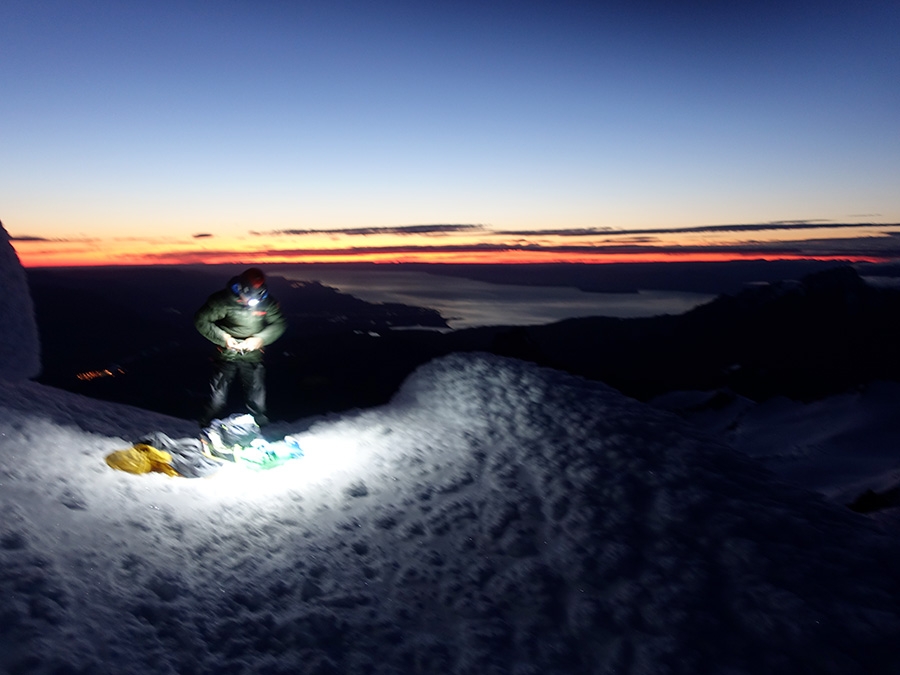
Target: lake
pixel 466 303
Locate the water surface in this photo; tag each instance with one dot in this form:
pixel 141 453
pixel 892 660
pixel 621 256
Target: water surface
pixel 466 303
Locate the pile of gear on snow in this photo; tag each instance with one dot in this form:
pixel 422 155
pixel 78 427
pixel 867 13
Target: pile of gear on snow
pixel 234 440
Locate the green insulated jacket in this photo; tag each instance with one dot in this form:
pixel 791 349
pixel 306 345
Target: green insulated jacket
pixel 223 315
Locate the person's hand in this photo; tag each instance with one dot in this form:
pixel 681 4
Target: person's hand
pixel 232 342
pixel 251 344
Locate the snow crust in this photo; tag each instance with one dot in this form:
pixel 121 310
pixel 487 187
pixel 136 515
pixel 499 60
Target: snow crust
pixel 840 446
pixel 20 352
pixel 493 518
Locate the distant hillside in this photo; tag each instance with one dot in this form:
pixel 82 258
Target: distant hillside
pixel 713 278
pixel 805 339
pixel 126 334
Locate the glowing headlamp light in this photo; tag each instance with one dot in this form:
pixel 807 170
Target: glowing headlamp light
pixel 249 295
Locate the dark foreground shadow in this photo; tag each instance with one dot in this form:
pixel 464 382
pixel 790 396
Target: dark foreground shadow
pixel 870 501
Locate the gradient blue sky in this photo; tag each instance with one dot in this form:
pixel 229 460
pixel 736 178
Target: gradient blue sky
pixel 134 126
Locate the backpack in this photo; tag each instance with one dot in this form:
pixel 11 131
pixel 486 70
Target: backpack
pixel 226 438
pixel 238 439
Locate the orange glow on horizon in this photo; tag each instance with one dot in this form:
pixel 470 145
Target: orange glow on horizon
pixel 866 243
pixel 39 256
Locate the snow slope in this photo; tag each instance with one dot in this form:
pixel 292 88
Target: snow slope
pixel 19 347
pixel 494 518
pixel 840 446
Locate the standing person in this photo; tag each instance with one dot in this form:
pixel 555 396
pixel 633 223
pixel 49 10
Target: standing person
pixel 240 319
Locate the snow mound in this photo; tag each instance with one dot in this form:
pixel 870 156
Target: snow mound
pixel 494 518
pixel 20 353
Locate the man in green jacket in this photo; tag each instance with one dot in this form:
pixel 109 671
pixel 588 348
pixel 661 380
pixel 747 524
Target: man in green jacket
pixel 240 320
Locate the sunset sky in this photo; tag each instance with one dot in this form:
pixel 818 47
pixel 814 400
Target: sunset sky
pixel 179 131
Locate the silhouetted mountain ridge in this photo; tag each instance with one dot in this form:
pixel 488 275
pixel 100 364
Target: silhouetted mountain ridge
pixel 708 277
pixel 806 339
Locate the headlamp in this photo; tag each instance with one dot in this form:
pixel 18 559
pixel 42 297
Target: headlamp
pixel 248 294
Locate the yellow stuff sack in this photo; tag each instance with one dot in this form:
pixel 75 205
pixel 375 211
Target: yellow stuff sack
pixel 142 458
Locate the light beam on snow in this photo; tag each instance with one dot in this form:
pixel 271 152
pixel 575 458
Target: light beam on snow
pixel 326 454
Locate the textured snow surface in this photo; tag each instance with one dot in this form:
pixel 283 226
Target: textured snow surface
pixel 494 518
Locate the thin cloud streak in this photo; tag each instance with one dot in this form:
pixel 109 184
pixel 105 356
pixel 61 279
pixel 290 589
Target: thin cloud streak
pixel 55 240
pixel 745 227
pixel 863 247
pixel 399 230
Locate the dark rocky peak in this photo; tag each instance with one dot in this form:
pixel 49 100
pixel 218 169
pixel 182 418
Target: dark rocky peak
pixel 836 291
pixel 839 279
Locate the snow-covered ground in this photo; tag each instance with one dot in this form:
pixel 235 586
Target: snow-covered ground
pixel 840 446
pixel 493 518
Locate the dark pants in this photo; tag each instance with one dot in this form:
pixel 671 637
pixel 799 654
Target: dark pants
pixel 253 382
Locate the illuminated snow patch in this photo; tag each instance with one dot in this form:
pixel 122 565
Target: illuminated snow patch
pixel 327 455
